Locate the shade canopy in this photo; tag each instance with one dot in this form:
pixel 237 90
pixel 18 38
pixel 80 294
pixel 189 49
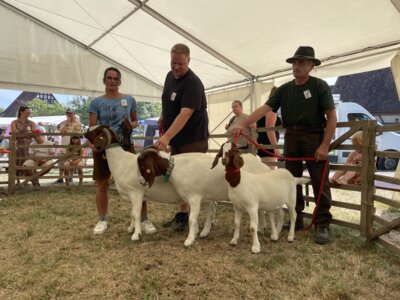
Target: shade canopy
pixel 64 46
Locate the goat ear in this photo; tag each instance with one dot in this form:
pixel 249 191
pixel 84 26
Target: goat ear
pixel 126 124
pixel 146 168
pixel 216 159
pixel 238 161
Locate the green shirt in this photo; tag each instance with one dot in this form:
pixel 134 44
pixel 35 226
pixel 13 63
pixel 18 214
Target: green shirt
pixel 304 104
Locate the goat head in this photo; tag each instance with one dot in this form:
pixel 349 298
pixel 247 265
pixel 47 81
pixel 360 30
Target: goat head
pixel 101 137
pixel 151 165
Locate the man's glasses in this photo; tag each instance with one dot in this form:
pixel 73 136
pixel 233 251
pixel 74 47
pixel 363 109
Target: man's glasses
pixel 109 78
pixel 69 114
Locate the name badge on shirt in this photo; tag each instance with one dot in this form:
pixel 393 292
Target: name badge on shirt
pixel 307 94
pixel 124 102
pixel 173 95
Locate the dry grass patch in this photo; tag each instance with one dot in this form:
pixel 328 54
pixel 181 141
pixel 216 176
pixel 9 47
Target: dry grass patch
pixel 48 251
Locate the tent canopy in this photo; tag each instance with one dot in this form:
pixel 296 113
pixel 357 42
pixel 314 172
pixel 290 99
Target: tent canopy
pixel 64 46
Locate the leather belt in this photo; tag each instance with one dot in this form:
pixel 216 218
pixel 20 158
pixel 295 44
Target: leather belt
pixel 305 127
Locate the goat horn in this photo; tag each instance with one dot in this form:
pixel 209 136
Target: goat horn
pixel 108 135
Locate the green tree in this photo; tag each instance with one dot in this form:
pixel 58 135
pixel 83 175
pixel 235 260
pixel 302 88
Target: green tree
pixel 41 108
pixel 1 109
pixel 148 110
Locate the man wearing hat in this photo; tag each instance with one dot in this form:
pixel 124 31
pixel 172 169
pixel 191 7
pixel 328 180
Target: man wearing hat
pixel 70 125
pixel 309 116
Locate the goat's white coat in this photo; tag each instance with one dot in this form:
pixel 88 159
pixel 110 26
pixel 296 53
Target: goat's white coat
pixel 196 183
pixel 269 191
pixel 124 168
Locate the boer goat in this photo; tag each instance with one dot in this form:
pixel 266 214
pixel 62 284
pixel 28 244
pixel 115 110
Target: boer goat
pixel 251 192
pixel 128 180
pixel 193 180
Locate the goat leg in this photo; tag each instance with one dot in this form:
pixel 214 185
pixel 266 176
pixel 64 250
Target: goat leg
pixel 253 213
pixel 193 221
pixel 136 209
pixel 210 217
pixel 262 224
pixel 292 218
pixel 238 218
pixel 274 232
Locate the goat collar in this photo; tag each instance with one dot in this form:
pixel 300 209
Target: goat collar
pixel 114 145
pixel 232 171
pixel 171 165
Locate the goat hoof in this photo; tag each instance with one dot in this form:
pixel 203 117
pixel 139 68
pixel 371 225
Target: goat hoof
pixel 203 235
pixel 188 243
pixel 130 229
pixel 233 243
pixel 135 237
pixel 255 250
pixel 274 238
pixel 290 240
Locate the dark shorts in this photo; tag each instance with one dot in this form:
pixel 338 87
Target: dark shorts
pixel 263 139
pixel 262 153
pixel 100 167
pixel 199 146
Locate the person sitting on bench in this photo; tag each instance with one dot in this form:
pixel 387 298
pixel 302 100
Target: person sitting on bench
pixel 38 156
pixel 355 158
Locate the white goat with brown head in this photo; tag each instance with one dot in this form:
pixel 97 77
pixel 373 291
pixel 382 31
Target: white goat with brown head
pixel 194 181
pixel 251 192
pixel 128 180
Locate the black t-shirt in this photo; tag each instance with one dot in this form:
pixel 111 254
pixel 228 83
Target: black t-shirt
pixel 304 104
pixel 187 91
pixel 262 137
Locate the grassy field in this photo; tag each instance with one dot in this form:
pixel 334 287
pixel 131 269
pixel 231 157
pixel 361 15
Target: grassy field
pixel 48 251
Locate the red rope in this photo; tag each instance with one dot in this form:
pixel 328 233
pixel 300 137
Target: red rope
pixel 297 159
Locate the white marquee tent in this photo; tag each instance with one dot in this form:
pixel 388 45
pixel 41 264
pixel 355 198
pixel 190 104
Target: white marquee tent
pixel 64 46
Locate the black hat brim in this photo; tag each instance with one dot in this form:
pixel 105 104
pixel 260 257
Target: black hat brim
pixel 316 62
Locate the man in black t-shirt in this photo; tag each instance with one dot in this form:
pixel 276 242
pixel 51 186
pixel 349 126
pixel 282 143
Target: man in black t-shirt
pixel 184 117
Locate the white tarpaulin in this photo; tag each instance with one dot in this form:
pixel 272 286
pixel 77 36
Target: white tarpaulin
pixel 63 46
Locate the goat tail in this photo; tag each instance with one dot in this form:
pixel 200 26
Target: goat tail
pixel 301 180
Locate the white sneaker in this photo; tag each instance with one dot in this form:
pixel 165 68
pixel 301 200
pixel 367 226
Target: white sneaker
pixel 148 227
pixel 100 227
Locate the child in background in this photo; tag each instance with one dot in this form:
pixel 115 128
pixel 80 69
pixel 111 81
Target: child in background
pixel 355 158
pixel 75 161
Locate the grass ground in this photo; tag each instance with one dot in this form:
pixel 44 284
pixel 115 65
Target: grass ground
pixel 48 251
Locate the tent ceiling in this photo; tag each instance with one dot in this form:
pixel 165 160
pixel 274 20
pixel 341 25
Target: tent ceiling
pixel 231 41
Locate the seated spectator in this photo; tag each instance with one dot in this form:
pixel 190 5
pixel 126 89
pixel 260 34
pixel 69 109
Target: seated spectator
pixel 75 161
pixel 38 156
pixel 40 126
pixel 237 109
pixel 355 158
